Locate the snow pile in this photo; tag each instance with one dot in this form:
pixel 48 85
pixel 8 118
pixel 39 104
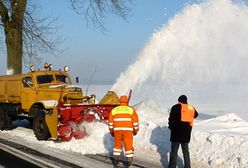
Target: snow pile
pixel 221 142
pixel 217 142
pixel 97 141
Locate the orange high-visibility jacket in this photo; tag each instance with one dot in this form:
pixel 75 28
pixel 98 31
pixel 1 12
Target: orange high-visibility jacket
pixel 123 118
pixel 187 113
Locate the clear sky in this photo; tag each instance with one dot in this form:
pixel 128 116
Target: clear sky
pixel 89 50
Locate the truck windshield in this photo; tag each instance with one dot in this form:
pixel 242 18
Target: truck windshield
pixel 62 78
pixel 45 79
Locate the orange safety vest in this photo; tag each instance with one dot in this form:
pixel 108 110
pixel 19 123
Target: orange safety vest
pixel 123 118
pixel 187 113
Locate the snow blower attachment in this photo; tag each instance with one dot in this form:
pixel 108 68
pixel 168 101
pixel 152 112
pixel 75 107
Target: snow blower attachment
pixel 63 123
pixel 71 116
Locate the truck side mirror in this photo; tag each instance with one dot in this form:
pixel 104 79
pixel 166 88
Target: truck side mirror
pixel 77 79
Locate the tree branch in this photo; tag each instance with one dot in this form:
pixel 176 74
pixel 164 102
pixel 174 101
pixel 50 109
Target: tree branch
pixel 95 10
pixel 37 35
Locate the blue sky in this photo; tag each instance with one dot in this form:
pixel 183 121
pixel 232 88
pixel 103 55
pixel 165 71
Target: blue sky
pixel 89 50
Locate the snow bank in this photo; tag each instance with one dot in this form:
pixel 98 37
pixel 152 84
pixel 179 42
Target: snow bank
pixel 221 142
pixel 216 143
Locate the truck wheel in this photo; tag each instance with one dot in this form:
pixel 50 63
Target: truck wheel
pixel 31 121
pixel 40 127
pixel 5 121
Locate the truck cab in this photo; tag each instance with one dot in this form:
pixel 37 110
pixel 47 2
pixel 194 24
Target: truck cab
pixel 34 94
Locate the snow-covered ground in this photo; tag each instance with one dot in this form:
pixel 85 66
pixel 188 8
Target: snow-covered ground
pixel 217 140
pixel 202 52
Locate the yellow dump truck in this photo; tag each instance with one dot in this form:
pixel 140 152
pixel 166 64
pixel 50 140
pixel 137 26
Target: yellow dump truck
pixel 49 100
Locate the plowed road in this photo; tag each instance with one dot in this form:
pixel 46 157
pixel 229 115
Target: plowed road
pixel 15 155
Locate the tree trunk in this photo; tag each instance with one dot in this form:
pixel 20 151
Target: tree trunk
pixel 12 20
pixel 14 50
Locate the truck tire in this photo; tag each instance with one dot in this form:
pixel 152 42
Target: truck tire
pixel 5 121
pixel 40 127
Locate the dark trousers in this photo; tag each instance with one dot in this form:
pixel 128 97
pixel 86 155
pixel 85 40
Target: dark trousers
pixel 173 154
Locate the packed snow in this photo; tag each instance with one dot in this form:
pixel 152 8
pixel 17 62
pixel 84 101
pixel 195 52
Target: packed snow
pixel 202 52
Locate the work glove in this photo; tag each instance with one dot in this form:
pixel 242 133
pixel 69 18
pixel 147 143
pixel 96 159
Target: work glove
pixel 112 133
pixel 134 133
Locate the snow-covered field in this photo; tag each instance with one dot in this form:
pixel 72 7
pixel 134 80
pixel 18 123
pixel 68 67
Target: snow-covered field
pixel 202 52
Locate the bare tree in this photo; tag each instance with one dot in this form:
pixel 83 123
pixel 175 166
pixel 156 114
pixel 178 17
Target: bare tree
pixel 96 10
pixel 12 17
pixel 27 34
pixel 37 35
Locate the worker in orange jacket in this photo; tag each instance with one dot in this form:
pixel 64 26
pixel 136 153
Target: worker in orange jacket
pixel 180 124
pixel 123 125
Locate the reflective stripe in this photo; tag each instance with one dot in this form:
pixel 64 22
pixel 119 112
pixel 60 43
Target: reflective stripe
pixel 111 127
pixel 136 127
pixel 117 150
pixel 122 119
pixel 129 155
pixel 190 107
pixel 135 124
pixel 111 123
pixel 128 152
pixel 124 128
pixel 117 153
pixel 122 110
pixel 92 113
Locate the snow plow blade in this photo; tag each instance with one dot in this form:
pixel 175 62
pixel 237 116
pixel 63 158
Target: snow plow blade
pixel 63 124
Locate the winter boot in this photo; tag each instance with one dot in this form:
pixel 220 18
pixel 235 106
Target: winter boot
pixel 116 164
pixel 129 162
pixel 129 165
pixel 117 161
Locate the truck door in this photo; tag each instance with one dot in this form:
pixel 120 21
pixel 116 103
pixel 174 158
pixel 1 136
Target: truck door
pixel 28 93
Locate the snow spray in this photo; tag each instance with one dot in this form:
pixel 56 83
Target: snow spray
pixel 201 52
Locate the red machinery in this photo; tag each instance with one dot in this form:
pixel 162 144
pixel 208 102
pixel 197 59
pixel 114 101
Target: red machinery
pixel 72 116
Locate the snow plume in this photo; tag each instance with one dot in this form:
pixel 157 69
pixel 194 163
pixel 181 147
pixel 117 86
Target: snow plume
pixel 201 49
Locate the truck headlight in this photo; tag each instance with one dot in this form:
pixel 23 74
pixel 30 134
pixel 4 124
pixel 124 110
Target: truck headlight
pixel 66 68
pixel 32 68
